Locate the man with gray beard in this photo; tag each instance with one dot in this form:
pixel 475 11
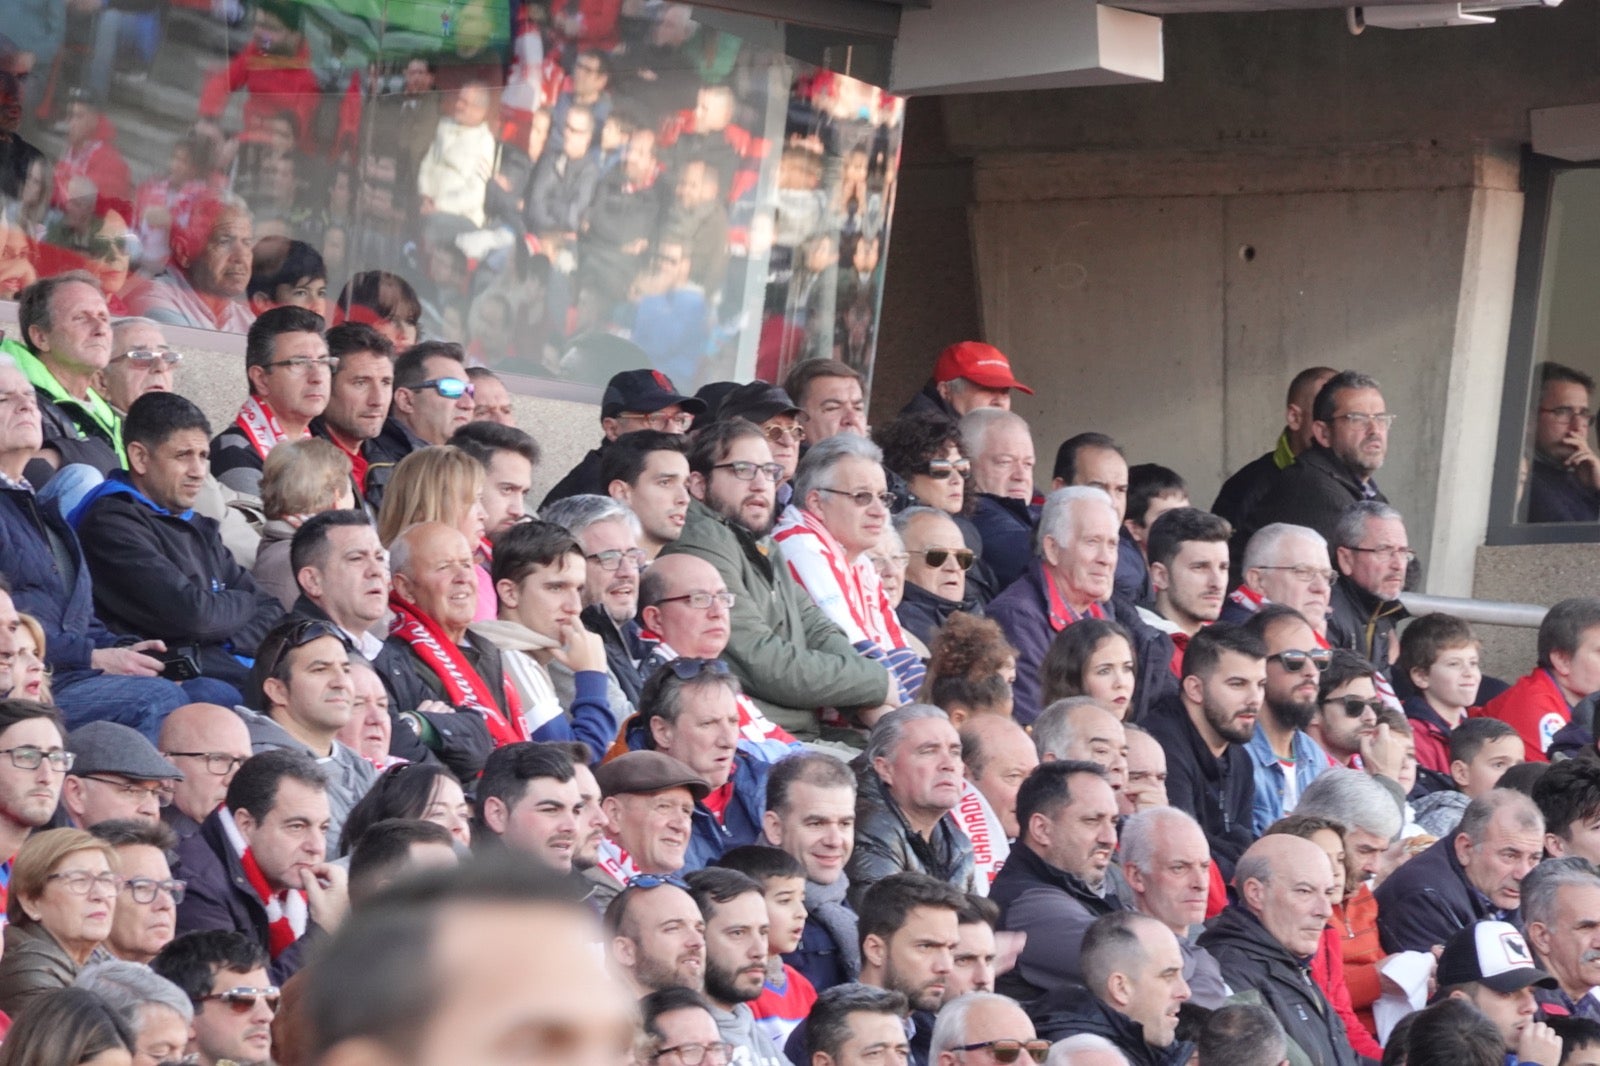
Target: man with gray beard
pixel 1286 759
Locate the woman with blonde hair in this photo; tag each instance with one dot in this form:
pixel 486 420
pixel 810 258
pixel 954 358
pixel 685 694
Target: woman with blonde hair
pixel 441 484
pixel 63 893
pixel 30 675
pixel 300 478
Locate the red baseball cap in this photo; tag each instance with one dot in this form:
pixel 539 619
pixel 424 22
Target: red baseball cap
pixel 980 363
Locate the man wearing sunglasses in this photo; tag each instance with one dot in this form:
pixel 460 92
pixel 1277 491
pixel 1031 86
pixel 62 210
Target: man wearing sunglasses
pixel 786 652
pixel 1345 724
pixel 225 975
pixel 633 400
pixel 432 399
pixel 938 561
pixel 1372 553
pixel 1286 758
pixel 289 373
pixel 983 1028
pixel 141 362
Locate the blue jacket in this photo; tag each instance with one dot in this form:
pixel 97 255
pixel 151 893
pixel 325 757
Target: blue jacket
pixel 1309 762
pixel 1132 581
pixel 63 604
pixel 1428 899
pixel 710 839
pixel 1006 526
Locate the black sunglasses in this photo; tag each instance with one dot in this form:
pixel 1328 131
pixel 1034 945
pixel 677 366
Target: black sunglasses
pixel 1006 1051
pixel 1294 660
pixel 299 635
pixel 648 881
pixel 1355 706
pixel 689 669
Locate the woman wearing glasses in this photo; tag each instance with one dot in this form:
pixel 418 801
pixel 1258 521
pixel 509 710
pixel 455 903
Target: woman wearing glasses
pixel 63 894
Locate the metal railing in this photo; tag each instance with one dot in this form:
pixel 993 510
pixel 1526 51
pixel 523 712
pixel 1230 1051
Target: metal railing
pixel 1478 612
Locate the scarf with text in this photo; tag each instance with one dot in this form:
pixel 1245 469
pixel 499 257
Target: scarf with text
pixel 463 685
pixel 287 912
pixel 261 427
pixel 990 848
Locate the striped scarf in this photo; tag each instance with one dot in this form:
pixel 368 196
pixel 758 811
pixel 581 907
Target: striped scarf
pixel 287 911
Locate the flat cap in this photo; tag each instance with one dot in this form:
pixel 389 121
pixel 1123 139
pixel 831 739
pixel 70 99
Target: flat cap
pixel 109 748
pixel 648 771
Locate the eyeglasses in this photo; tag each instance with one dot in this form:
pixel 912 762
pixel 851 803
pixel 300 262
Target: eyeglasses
pixel 244 1000
pixel 1570 414
pixel 1294 660
pixel 677 423
pixel 862 498
pixel 941 469
pixel 1005 1051
pixel 700 601
pixel 610 560
pixel 144 889
pixel 1388 553
pixel 299 635
pixel 888 564
pixel 695 1054
pixel 131 791
pixel 747 471
pixel 780 434
pixel 217 762
pixel 302 364
pixel 935 557
pixel 28 757
pixel 144 358
pixel 449 388
pixel 689 669
pixel 79 882
pixel 1355 706
pixel 649 881
pixel 1306 574
pixel 1361 420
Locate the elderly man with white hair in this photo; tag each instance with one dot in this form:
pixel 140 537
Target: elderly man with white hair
pixel 1071 579
pixel 1003 458
pixel 1085 1049
pixel 837 517
pixel 982 1022
pixel 157 1012
pixel 1166 862
pixel 1285 564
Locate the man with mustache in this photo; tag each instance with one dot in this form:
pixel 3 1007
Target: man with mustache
pixel 528 801
pixel 735 914
pixel 1055 882
pixel 1372 553
pixel 1286 758
pixel 656 938
pixel 785 652
pixel 1204 730
pixel 288 369
pixel 1560 902
pixel 649 802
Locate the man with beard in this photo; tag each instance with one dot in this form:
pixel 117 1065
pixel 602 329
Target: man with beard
pixel 36 763
pixel 528 800
pixel 909 935
pixel 785 652
pixel 1055 883
pixel 1372 552
pixel 735 913
pixel 656 937
pixel 1346 720
pixel 1204 730
pixel 1286 759
pixel 1189 572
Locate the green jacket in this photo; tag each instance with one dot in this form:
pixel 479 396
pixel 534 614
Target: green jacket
pixel 790 658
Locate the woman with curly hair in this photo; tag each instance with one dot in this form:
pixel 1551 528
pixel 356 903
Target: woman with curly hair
pixel 970 670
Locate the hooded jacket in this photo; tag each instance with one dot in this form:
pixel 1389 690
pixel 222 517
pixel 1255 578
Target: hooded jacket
pixel 1425 901
pixel 785 652
pixel 1251 958
pixel 1054 909
pixel 349 775
pixel 589 717
pixel 886 844
pixel 1218 792
pixel 1071 1008
pixel 169 576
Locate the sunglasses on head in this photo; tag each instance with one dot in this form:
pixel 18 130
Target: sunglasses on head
pixel 1355 706
pixel 1294 660
pixel 298 636
pixel 935 557
pixel 689 669
pixel 244 1000
pixel 648 881
pixel 1007 1051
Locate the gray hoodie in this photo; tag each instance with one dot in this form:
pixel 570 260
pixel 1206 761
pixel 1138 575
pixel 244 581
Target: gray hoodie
pixel 349 775
pixel 751 1046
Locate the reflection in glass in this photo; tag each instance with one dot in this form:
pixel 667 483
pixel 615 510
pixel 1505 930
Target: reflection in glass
pixel 505 174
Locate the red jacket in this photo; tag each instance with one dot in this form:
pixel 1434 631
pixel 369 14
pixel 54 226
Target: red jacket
pixel 1327 969
pixel 1535 707
pixel 276 83
pixel 99 161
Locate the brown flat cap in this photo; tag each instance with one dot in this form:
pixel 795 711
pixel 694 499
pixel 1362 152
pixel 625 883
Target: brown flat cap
pixel 648 771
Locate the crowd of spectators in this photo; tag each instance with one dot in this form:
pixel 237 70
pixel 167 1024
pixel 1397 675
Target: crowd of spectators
pixel 748 741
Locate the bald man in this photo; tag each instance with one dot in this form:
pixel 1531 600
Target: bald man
pixel 1263 939
pixel 446 685
pixel 974 1020
pixel 1080 728
pixel 998 755
pixel 207 742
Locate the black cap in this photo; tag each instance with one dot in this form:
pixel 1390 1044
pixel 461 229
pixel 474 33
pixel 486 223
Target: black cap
pixel 711 394
pixel 644 391
pixel 757 401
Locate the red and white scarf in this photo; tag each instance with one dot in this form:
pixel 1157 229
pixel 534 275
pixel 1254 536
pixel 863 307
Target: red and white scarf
pixel 261 426
pixel 287 911
pixel 614 861
pixel 990 848
pixel 463 686
pixel 851 594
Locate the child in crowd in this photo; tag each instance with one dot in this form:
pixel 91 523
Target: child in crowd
pixel 1481 751
pixel 787 996
pixel 1439 655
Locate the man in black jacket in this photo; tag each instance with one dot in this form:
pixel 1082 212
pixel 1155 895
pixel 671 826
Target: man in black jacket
pixel 1133 971
pixel 1264 941
pixel 1055 883
pixel 1351 429
pixel 1371 550
pixel 159 569
pixel 1209 774
pixel 633 400
pixel 432 398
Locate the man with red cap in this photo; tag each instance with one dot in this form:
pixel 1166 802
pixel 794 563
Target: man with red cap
pixel 968 375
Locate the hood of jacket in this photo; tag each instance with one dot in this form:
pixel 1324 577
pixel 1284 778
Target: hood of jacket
pixel 117 484
pixel 1074 1009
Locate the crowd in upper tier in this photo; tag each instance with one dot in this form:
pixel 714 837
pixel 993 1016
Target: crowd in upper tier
pixel 815 742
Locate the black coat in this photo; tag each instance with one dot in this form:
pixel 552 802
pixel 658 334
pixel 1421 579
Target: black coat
pixel 581 480
pixel 1054 909
pixel 392 444
pixel 1218 792
pixel 461 740
pixel 1362 623
pixel 623 649
pixel 73 434
pixel 922 613
pixel 1252 959
pixel 1071 1009
pixel 1425 901
pixel 1312 491
pixel 61 600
